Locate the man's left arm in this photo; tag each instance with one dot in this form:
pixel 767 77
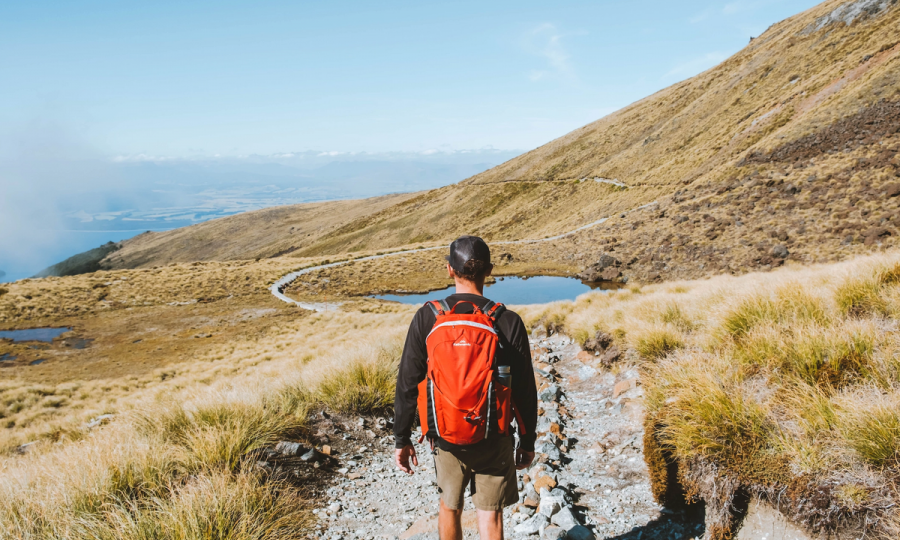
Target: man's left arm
pixel 524 391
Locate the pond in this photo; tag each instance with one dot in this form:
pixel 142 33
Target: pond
pixel 34 334
pixel 515 290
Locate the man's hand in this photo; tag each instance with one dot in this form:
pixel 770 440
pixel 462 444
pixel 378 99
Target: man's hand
pixel 523 459
pixel 402 456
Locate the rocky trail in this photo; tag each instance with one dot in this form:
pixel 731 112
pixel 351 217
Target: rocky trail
pixel 589 479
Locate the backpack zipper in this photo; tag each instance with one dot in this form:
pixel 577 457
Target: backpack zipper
pixel 487 430
pixel 433 408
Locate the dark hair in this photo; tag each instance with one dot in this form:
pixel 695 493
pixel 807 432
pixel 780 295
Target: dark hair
pixel 473 270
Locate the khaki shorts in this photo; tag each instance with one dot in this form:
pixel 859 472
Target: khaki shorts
pixel 493 467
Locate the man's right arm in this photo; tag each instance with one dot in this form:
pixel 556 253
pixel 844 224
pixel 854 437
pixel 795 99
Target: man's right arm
pixel 413 368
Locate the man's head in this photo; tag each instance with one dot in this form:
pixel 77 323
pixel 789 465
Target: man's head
pixel 470 259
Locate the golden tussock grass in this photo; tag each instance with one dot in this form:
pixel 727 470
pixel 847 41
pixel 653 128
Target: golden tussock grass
pixel 178 464
pixel 789 378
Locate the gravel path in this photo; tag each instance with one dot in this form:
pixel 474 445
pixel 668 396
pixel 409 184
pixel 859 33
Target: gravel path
pixel 589 480
pixel 277 288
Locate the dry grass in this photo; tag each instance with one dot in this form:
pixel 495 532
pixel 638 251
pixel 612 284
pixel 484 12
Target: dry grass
pixel 770 378
pixel 178 464
pixel 144 347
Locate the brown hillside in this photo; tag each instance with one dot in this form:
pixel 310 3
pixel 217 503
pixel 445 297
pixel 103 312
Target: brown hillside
pixel 791 141
pixel 266 233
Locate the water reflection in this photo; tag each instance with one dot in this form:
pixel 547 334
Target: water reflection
pixel 515 290
pixel 34 334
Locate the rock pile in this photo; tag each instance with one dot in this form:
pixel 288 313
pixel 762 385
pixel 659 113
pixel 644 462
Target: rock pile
pixel 602 348
pixel 608 268
pixel 546 507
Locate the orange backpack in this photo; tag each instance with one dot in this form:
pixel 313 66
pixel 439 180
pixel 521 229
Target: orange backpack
pixel 461 401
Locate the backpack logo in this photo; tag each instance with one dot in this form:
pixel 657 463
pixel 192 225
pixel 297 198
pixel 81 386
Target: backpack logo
pixel 462 343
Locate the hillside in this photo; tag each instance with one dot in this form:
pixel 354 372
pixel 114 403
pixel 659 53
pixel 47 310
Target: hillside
pixel 266 233
pixel 83 263
pixel 792 141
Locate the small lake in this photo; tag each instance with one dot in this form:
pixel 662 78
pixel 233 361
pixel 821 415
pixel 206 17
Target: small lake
pixel 34 334
pixel 515 290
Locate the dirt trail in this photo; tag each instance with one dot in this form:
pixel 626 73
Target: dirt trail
pixel 277 288
pixel 595 480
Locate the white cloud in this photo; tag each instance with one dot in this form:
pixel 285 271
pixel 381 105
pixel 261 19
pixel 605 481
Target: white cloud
pixel 83 216
pixel 696 65
pixel 546 41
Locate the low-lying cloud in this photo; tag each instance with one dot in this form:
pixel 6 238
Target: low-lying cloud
pixel 60 197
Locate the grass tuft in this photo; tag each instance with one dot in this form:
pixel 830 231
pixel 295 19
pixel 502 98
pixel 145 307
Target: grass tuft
pixel 656 343
pixel 871 425
pixel 219 433
pixel 790 304
pixel 364 385
pixel 860 296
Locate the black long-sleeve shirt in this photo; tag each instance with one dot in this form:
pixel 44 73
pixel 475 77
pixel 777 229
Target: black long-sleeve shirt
pixel 414 367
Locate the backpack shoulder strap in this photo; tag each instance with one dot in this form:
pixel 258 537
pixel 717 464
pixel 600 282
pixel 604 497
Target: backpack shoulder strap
pixel 493 310
pixel 438 307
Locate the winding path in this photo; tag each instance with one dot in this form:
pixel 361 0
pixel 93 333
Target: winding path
pixel 279 286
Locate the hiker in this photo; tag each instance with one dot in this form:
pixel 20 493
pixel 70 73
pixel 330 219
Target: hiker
pixel 459 356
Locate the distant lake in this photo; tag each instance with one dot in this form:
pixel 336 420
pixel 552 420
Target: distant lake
pixel 515 290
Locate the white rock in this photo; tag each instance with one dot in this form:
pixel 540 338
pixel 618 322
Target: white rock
pixel 287 448
pixel 535 471
pixel 532 525
pixel 553 533
pixel 550 503
pixel 549 506
pixel 565 519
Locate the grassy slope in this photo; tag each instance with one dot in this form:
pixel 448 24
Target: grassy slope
pixel 784 385
pixel 796 104
pixel 251 235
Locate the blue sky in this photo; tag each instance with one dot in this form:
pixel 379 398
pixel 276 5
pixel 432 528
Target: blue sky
pixel 188 78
